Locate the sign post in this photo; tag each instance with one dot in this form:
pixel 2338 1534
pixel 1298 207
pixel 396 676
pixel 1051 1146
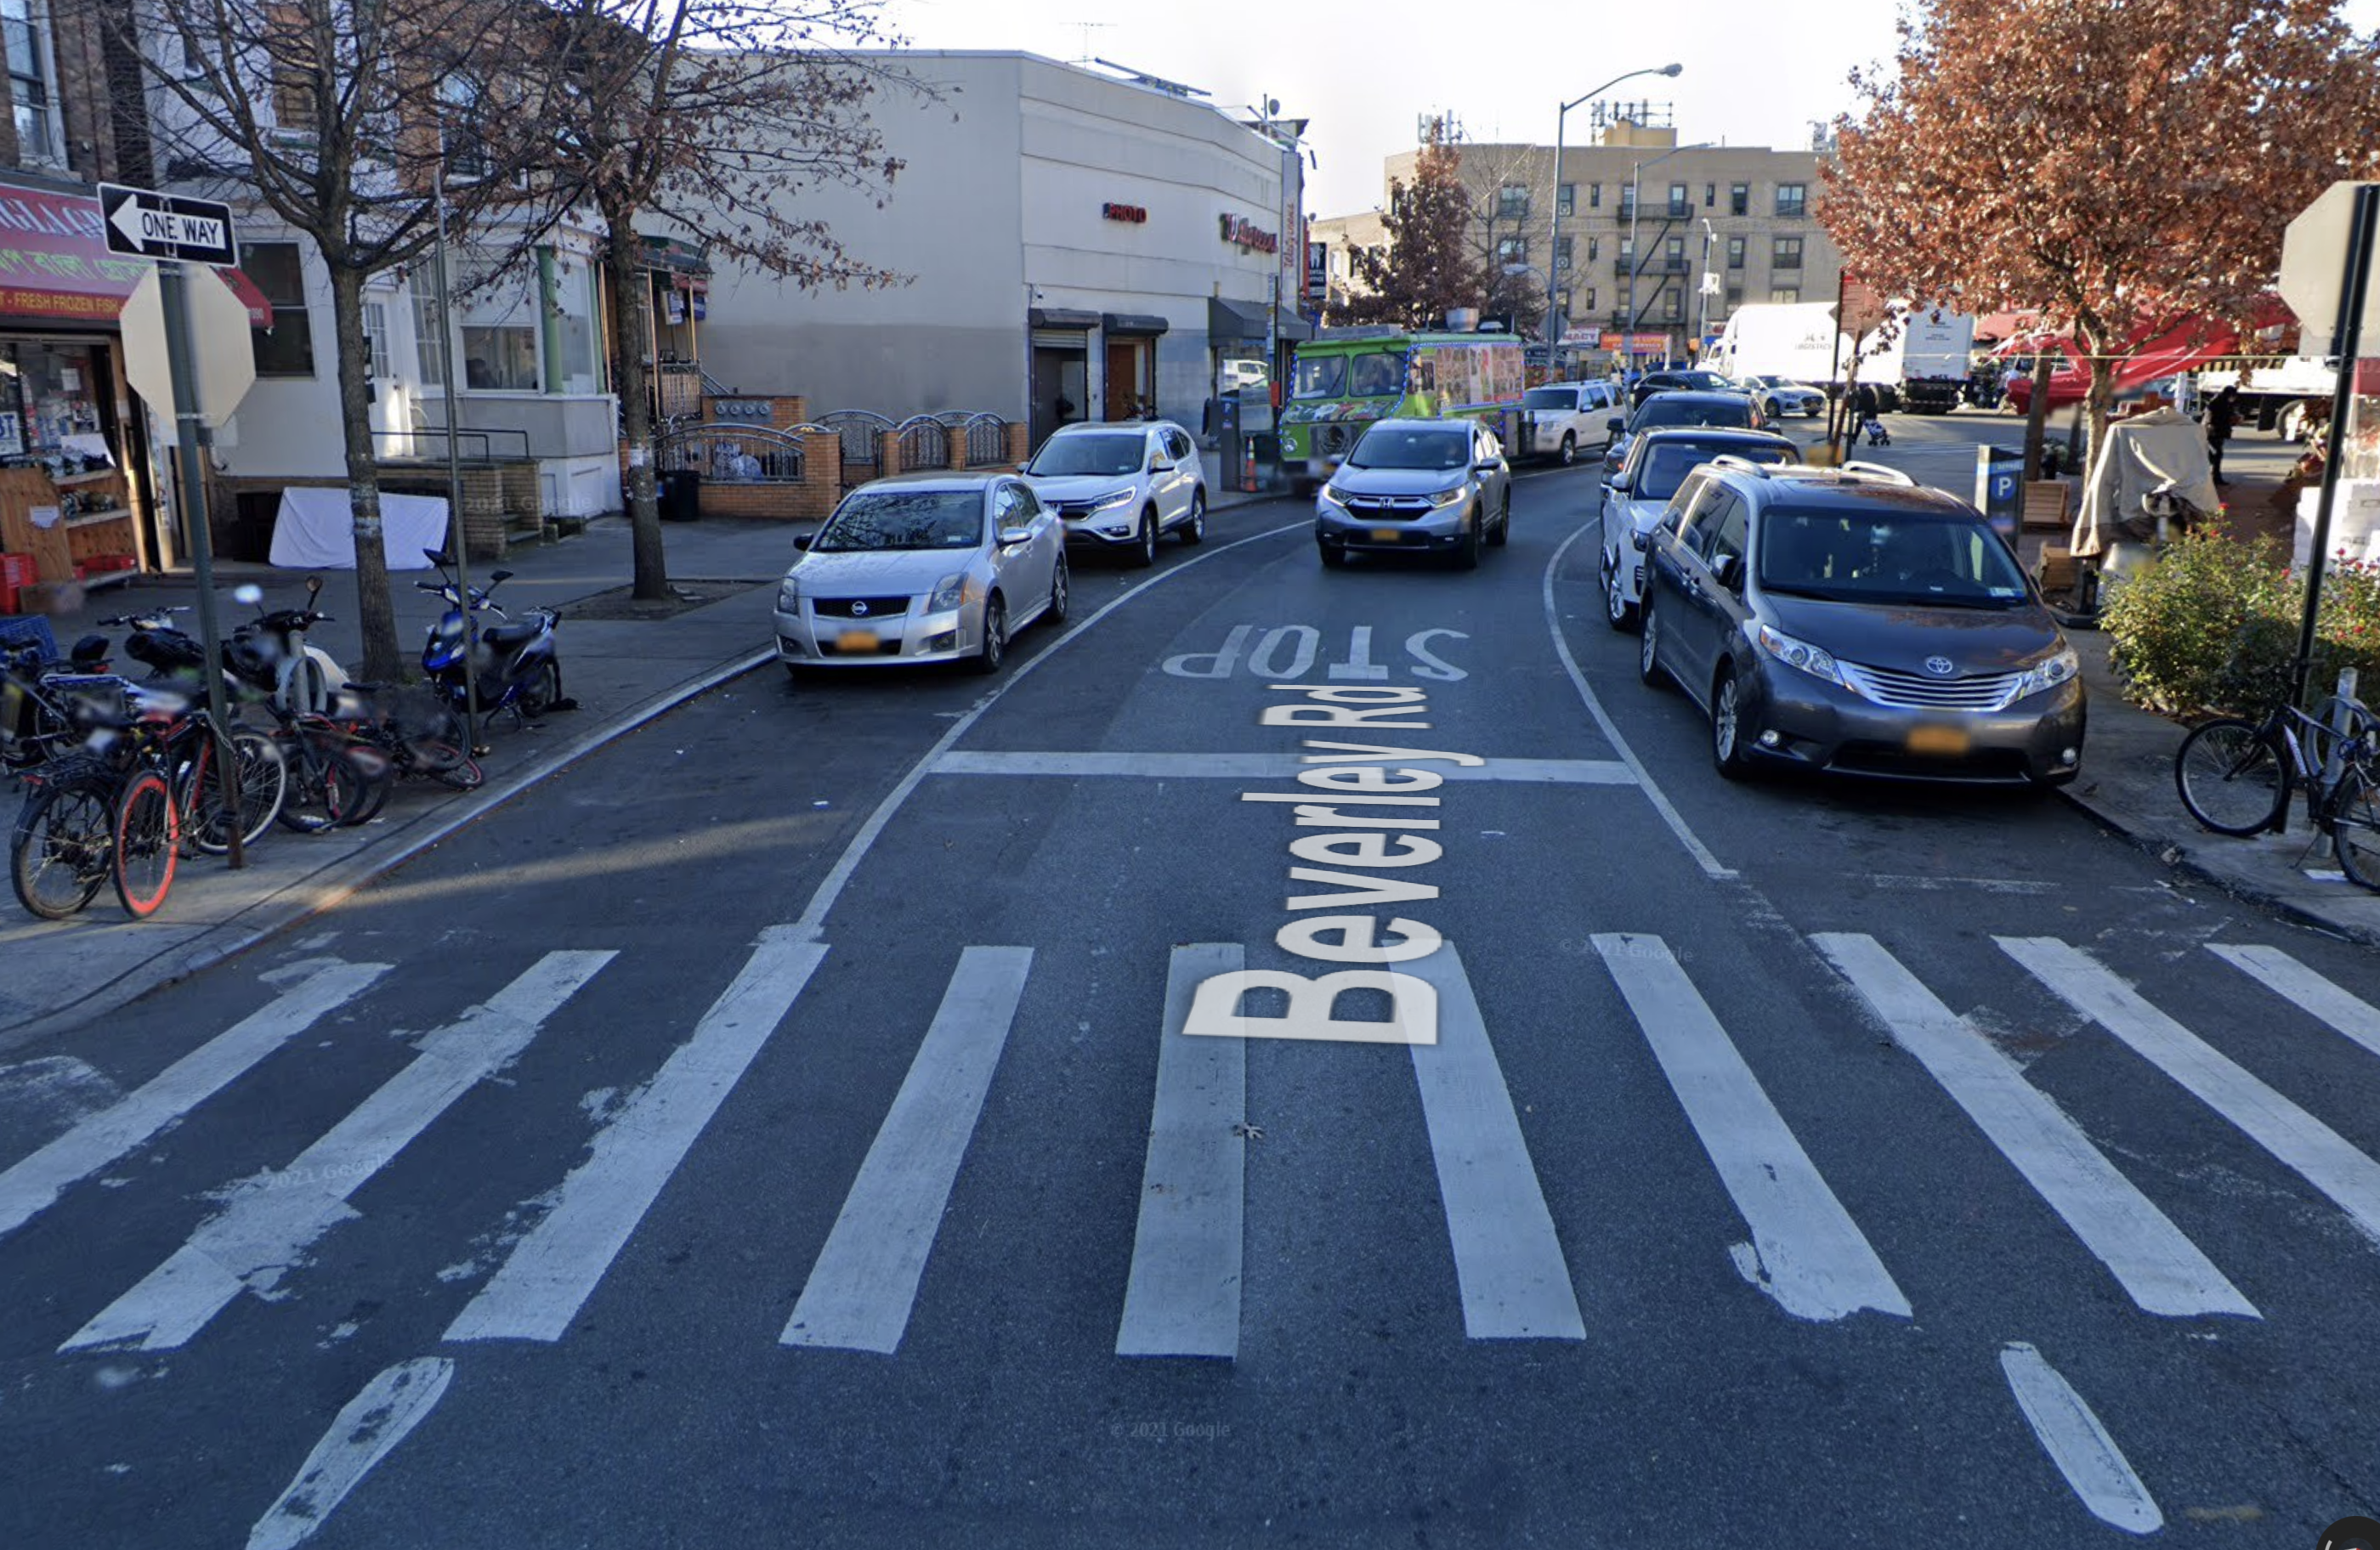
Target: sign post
pixel 142 224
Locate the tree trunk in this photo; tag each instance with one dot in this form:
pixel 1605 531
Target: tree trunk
pixel 2037 416
pixel 2092 415
pixel 625 258
pixel 375 614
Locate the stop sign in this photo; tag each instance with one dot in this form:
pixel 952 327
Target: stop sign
pixel 2313 262
pixel 223 358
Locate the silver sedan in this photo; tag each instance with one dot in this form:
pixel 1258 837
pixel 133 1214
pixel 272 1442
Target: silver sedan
pixel 928 568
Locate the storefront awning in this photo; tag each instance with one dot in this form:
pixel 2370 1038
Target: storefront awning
pixel 1230 321
pixel 1132 323
pixel 55 263
pixel 1064 317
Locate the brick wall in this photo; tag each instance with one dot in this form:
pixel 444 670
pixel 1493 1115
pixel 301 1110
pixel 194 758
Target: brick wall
pixel 1020 444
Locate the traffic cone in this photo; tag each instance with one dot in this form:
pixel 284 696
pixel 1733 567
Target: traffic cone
pixel 1248 466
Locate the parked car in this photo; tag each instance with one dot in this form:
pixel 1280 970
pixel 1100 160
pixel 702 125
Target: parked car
pixel 1635 498
pixel 1416 487
pixel 1119 486
pixel 2069 383
pixel 1566 418
pixel 1678 380
pixel 923 568
pixel 1847 619
pixel 1779 397
pixel 1733 410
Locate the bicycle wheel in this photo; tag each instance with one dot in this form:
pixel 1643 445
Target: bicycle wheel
pixel 263 786
pixel 307 808
pixel 58 857
pixel 445 763
pixel 369 774
pixel 2231 777
pixel 2355 826
pixel 148 841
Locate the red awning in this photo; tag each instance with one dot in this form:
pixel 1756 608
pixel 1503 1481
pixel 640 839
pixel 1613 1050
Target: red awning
pixel 55 262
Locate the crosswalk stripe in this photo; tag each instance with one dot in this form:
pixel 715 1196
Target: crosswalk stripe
pixel 550 1273
pixel 2319 1155
pixel 2283 974
pixel 2162 1269
pixel 33 1184
pixel 274 1219
pixel 861 1290
pixel 1811 1256
pixel 366 1428
pixel 1259 767
pixel 1507 1261
pixel 1183 1298
pixel 2078 1443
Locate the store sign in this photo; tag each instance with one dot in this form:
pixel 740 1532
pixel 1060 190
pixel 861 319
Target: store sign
pixel 1247 236
pixel 1131 214
pixel 1647 344
pixel 1317 270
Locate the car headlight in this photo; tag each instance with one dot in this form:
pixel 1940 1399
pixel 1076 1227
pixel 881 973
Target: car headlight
pixel 949 593
pixel 2048 673
pixel 789 595
pixel 1110 501
pixel 1794 653
pixel 1453 497
pixel 1330 495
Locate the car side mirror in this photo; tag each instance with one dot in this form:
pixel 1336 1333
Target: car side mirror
pixel 802 541
pixel 1011 537
pixel 1615 425
pixel 1025 467
pixel 1727 570
pixel 1485 465
pixel 1160 467
pixel 1617 484
pixel 1640 542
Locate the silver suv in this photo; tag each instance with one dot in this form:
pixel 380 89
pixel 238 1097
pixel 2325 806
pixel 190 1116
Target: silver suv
pixel 1416 487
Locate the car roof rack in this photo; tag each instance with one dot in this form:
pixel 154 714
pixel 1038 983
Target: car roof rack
pixel 1854 469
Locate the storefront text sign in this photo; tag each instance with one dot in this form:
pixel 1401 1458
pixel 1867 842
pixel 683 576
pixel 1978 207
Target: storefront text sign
pixel 1248 236
pixel 1131 214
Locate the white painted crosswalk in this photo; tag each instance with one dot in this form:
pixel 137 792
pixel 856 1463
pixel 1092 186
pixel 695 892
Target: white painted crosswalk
pixel 1520 1269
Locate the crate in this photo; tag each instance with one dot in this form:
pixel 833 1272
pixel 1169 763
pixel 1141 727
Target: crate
pixel 2058 571
pixel 2046 506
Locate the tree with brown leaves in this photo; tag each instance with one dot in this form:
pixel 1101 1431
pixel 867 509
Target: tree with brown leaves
pixel 1429 265
pixel 2120 164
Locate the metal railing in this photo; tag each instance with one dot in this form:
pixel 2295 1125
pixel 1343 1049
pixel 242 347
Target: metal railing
pixel 987 439
pixel 925 443
pixel 465 440
pixel 859 429
pixel 734 453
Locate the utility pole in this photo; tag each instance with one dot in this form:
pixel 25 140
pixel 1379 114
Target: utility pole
pixel 1553 238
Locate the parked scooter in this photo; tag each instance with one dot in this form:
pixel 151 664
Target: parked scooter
pixel 271 654
pixel 517 667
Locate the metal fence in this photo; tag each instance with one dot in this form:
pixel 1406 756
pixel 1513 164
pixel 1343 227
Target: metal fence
pixel 987 439
pixel 859 429
pixel 925 443
pixel 733 454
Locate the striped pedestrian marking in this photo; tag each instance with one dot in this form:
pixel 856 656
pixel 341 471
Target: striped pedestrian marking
pixel 861 1290
pixel 1515 1283
pixel 2078 1443
pixel 364 1431
pixel 549 1274
pixel 2283 974
pixel 34 1184
pixel 1183 1298
pixel 1806 1253
pixel 2318 1154
pixel 2162 1269
pixel 274 1219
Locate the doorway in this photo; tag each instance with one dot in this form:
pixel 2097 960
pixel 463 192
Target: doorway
pixel 1061 386
pixel 1130 377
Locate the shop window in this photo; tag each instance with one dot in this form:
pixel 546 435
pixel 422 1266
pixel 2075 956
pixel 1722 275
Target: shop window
pixel 49 405
pixel 287 349
pixel 500 359
pixel 428 355
pixel 29 83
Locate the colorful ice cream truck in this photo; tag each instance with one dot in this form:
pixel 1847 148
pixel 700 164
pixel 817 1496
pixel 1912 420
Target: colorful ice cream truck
pixel 1347 378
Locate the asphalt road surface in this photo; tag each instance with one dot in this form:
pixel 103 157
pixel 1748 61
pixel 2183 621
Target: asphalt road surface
pixel 801 1124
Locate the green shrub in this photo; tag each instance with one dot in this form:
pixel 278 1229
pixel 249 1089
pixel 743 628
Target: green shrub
pixel 2212 627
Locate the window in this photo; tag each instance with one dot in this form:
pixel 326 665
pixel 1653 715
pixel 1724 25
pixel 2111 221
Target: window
pixel 1738 198
pixel 287 349
pixel 1710 196
pixel 1792 200
pixel 1734 298
pixel 1511 202
pixel 1594 196
pixel 1562 251
pixel 429 360
pixel 500 359
pixel 1593 248
pixel 376 339
pixel 1627 201
pixel 1735 253
pixel 28 82
pixel 459 139
pixel 1785 252
pixel 1566 200
pixel 1511 249
pixel 1672 305
pixel 1727 541
pixel 1678 204
pixel 1626 255
pixel 289 44
pixel 1673 253
pixel 1590 299
pixel 1785 295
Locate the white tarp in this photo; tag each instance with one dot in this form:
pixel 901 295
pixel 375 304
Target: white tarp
pixel 2156 452
pixel 316 530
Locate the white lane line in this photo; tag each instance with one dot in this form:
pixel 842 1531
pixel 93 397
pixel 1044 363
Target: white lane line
pixel 1653 794
pixel 2163 1269
pixel 2076 1442
pixel 2284 976
pixel 33 1184
pixel 861 1290
pixel 829 889
pixel 1987 885
pixel 1509 1262
pixel 549 1274
pixel 272 1219
pixel 1183 1298
pixel 2318 1154
pixel 1262 766
pixel 360 1435
pixel 1805 1251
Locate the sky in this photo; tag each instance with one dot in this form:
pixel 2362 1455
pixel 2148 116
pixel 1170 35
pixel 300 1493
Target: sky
pixel 1756 72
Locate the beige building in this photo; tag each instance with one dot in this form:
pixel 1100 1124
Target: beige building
pixel 1745 215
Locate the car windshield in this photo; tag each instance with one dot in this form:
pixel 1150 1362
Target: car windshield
pixel 1887 557
pixel 1375 376
pixel 1667 464
pixel 1106 454
pixel 1657 412
pixel 1320 377
pixel 1550 399
pixel 903 519
pixel 1386 448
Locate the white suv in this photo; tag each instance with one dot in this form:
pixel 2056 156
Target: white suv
pixel 1119 486
pixel 1567 418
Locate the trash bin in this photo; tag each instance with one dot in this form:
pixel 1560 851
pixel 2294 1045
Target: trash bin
pixel 681 494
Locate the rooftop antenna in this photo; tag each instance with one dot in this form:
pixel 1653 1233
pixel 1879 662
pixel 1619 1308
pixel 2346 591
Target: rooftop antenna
pixel 1088 28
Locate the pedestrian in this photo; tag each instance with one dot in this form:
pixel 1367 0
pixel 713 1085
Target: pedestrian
pixel 2222 416
pixel 1864 403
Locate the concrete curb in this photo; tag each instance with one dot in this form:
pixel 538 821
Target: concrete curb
pixel 336 881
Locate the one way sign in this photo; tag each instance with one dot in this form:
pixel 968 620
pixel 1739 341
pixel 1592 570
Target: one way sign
pixel 143 224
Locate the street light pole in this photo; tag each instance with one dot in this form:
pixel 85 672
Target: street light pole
pixel 1702 320
pixel 1553 236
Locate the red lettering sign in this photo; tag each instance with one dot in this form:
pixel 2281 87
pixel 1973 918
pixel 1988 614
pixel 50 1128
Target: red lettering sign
pixel 1133 213
pixel 1248 236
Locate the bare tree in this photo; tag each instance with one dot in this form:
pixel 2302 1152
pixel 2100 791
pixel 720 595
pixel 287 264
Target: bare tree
pixel 331 116
pixel 1506 229
pixel 710 116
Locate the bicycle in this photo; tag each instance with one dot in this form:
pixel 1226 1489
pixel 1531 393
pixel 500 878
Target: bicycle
pixel 2236 777
pixel 105 813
